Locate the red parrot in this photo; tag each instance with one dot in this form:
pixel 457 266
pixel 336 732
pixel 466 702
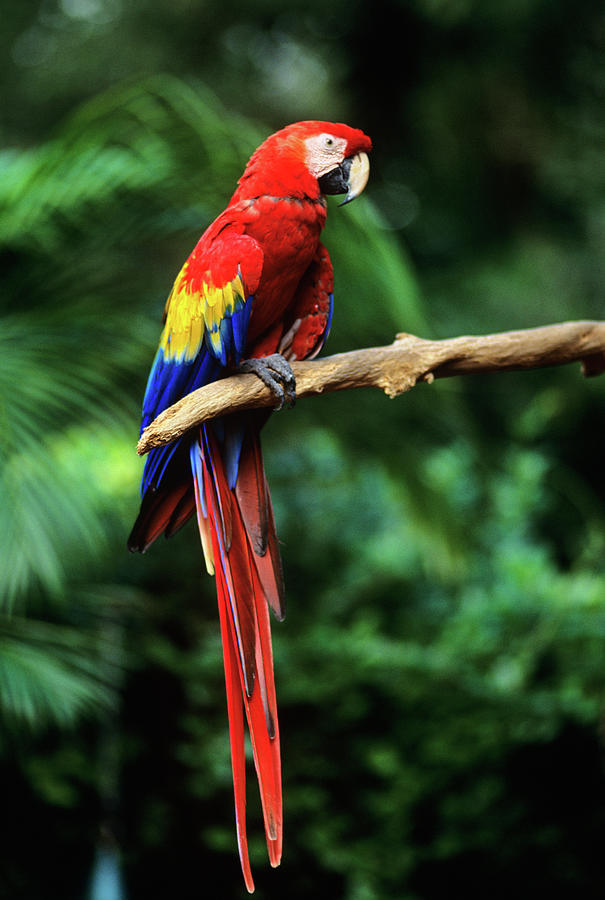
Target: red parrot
pixel 255 292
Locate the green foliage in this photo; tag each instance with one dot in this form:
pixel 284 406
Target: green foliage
pixel 67 430
pixel 50 673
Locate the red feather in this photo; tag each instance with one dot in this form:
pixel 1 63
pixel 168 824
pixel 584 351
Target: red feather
pixel 248 654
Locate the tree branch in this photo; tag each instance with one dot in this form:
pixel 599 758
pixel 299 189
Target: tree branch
pixel 394 369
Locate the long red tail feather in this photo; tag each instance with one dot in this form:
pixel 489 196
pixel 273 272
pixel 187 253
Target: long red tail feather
pixel 246 582
pixel 236 732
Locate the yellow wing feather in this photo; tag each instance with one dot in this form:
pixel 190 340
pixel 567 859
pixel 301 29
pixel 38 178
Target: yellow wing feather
pixel 195 309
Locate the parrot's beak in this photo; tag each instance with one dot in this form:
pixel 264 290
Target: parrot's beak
pixel 359 172
pixel 349 178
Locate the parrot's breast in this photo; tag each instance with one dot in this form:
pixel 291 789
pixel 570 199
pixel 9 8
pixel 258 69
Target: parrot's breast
pixel 288 231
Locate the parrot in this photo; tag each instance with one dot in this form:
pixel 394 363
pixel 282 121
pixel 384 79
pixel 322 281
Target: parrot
pixel 255 294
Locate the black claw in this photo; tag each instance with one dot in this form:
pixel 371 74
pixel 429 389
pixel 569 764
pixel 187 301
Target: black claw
pixel 275 373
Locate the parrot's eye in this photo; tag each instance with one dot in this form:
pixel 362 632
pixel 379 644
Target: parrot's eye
pixel 329 141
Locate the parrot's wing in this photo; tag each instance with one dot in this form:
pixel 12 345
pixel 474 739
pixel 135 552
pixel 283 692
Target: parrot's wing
pixel 205 319
pixel 205 328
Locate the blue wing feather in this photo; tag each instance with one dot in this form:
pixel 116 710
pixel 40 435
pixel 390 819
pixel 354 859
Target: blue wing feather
pixel 169 380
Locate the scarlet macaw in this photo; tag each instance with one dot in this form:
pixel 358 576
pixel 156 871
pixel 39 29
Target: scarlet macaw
pixel 257 287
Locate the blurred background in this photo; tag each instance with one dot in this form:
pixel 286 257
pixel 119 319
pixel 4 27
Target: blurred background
pixel 441 668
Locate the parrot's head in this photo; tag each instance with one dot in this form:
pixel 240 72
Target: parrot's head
pixel 338 157
pixel 331 157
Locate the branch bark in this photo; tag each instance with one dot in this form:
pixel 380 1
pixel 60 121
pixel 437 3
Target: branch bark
pixel 394 369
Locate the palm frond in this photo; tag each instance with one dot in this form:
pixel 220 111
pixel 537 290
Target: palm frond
pixel 51 674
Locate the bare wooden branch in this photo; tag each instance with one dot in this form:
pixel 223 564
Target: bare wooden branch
pixel 394 369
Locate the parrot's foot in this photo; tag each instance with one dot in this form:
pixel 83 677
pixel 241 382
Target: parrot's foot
pixel 274 371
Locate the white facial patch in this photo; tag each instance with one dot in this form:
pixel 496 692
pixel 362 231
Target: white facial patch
pixel 324 153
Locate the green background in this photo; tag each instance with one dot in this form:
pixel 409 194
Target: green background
pixel 440 669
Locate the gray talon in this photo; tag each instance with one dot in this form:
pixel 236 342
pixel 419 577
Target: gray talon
pixel 275 373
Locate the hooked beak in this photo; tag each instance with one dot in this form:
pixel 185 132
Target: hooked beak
pixel 349 178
